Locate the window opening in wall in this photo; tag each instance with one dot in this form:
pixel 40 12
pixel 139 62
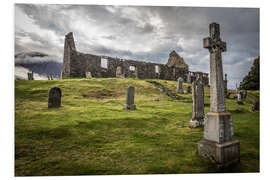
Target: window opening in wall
pixel 132 68
pixel 156 69
pixel 104 63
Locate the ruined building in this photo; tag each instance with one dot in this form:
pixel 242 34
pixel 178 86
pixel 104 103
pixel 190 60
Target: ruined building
pixel 76 64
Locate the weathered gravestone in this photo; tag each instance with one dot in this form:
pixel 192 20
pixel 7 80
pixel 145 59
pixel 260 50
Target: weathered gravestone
pixel 189 78
pixel 225 86
pixel 54 99
pixel 30 75
pixel 180 85
pixel 218 143
pixel 88 74
pixel 130 99
pixel 119 72
pixel 197 103
pixel 239 98
pixel 188 89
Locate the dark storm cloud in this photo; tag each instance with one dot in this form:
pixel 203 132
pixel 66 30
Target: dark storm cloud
pixel 143 33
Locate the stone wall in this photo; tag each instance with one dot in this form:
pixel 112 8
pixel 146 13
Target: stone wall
pixel 76 64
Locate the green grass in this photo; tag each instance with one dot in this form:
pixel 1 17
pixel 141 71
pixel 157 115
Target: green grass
pixel 91 133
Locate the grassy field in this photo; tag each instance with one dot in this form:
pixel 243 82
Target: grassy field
pixel 91 134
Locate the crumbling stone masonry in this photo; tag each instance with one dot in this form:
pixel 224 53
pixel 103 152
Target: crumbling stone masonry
pixel 76 64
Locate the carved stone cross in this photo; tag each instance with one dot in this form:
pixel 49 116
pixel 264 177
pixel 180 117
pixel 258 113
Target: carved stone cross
pixel 216 46
pixel 218 142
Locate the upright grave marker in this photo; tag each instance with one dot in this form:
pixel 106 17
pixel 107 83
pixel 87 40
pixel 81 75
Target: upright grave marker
pixel 188 89
pixel 189 78
pixel 55 96
pixel 180 85
pixel 218 143
pixel 130 99
pixel 197 103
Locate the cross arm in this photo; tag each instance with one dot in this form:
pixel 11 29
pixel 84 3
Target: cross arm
pixel 223 46
pixel 207 42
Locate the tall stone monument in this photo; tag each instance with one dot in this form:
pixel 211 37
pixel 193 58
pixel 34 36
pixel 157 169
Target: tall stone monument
pixel 218 143
pixel 197 103
pixel 189 78
pixel 188 89
pixel 225 85
pixel 180 85
pixel 130 99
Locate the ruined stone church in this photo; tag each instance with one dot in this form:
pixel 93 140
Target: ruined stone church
pixel 77 65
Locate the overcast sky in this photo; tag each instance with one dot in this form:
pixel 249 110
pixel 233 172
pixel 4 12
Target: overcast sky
pixel 141 33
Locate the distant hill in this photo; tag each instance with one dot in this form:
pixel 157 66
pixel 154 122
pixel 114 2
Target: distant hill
pixel 40 63
pixel 30 54
pixel 252 80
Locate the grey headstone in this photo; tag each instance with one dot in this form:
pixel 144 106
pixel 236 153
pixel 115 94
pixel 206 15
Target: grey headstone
pixel 130 98
pixel 188 89
pixel 197 103
pixel 54 99
pixel 189 78
pixel 180 85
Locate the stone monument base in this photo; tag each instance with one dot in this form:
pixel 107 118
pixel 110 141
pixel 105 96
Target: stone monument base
pixel 223 154
pixel 130 107
pixel 195 123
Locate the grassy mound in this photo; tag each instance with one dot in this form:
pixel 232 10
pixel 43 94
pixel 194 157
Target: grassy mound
pixel 92 134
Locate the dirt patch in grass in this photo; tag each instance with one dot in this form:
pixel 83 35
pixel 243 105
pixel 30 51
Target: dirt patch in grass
pixel 100 93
